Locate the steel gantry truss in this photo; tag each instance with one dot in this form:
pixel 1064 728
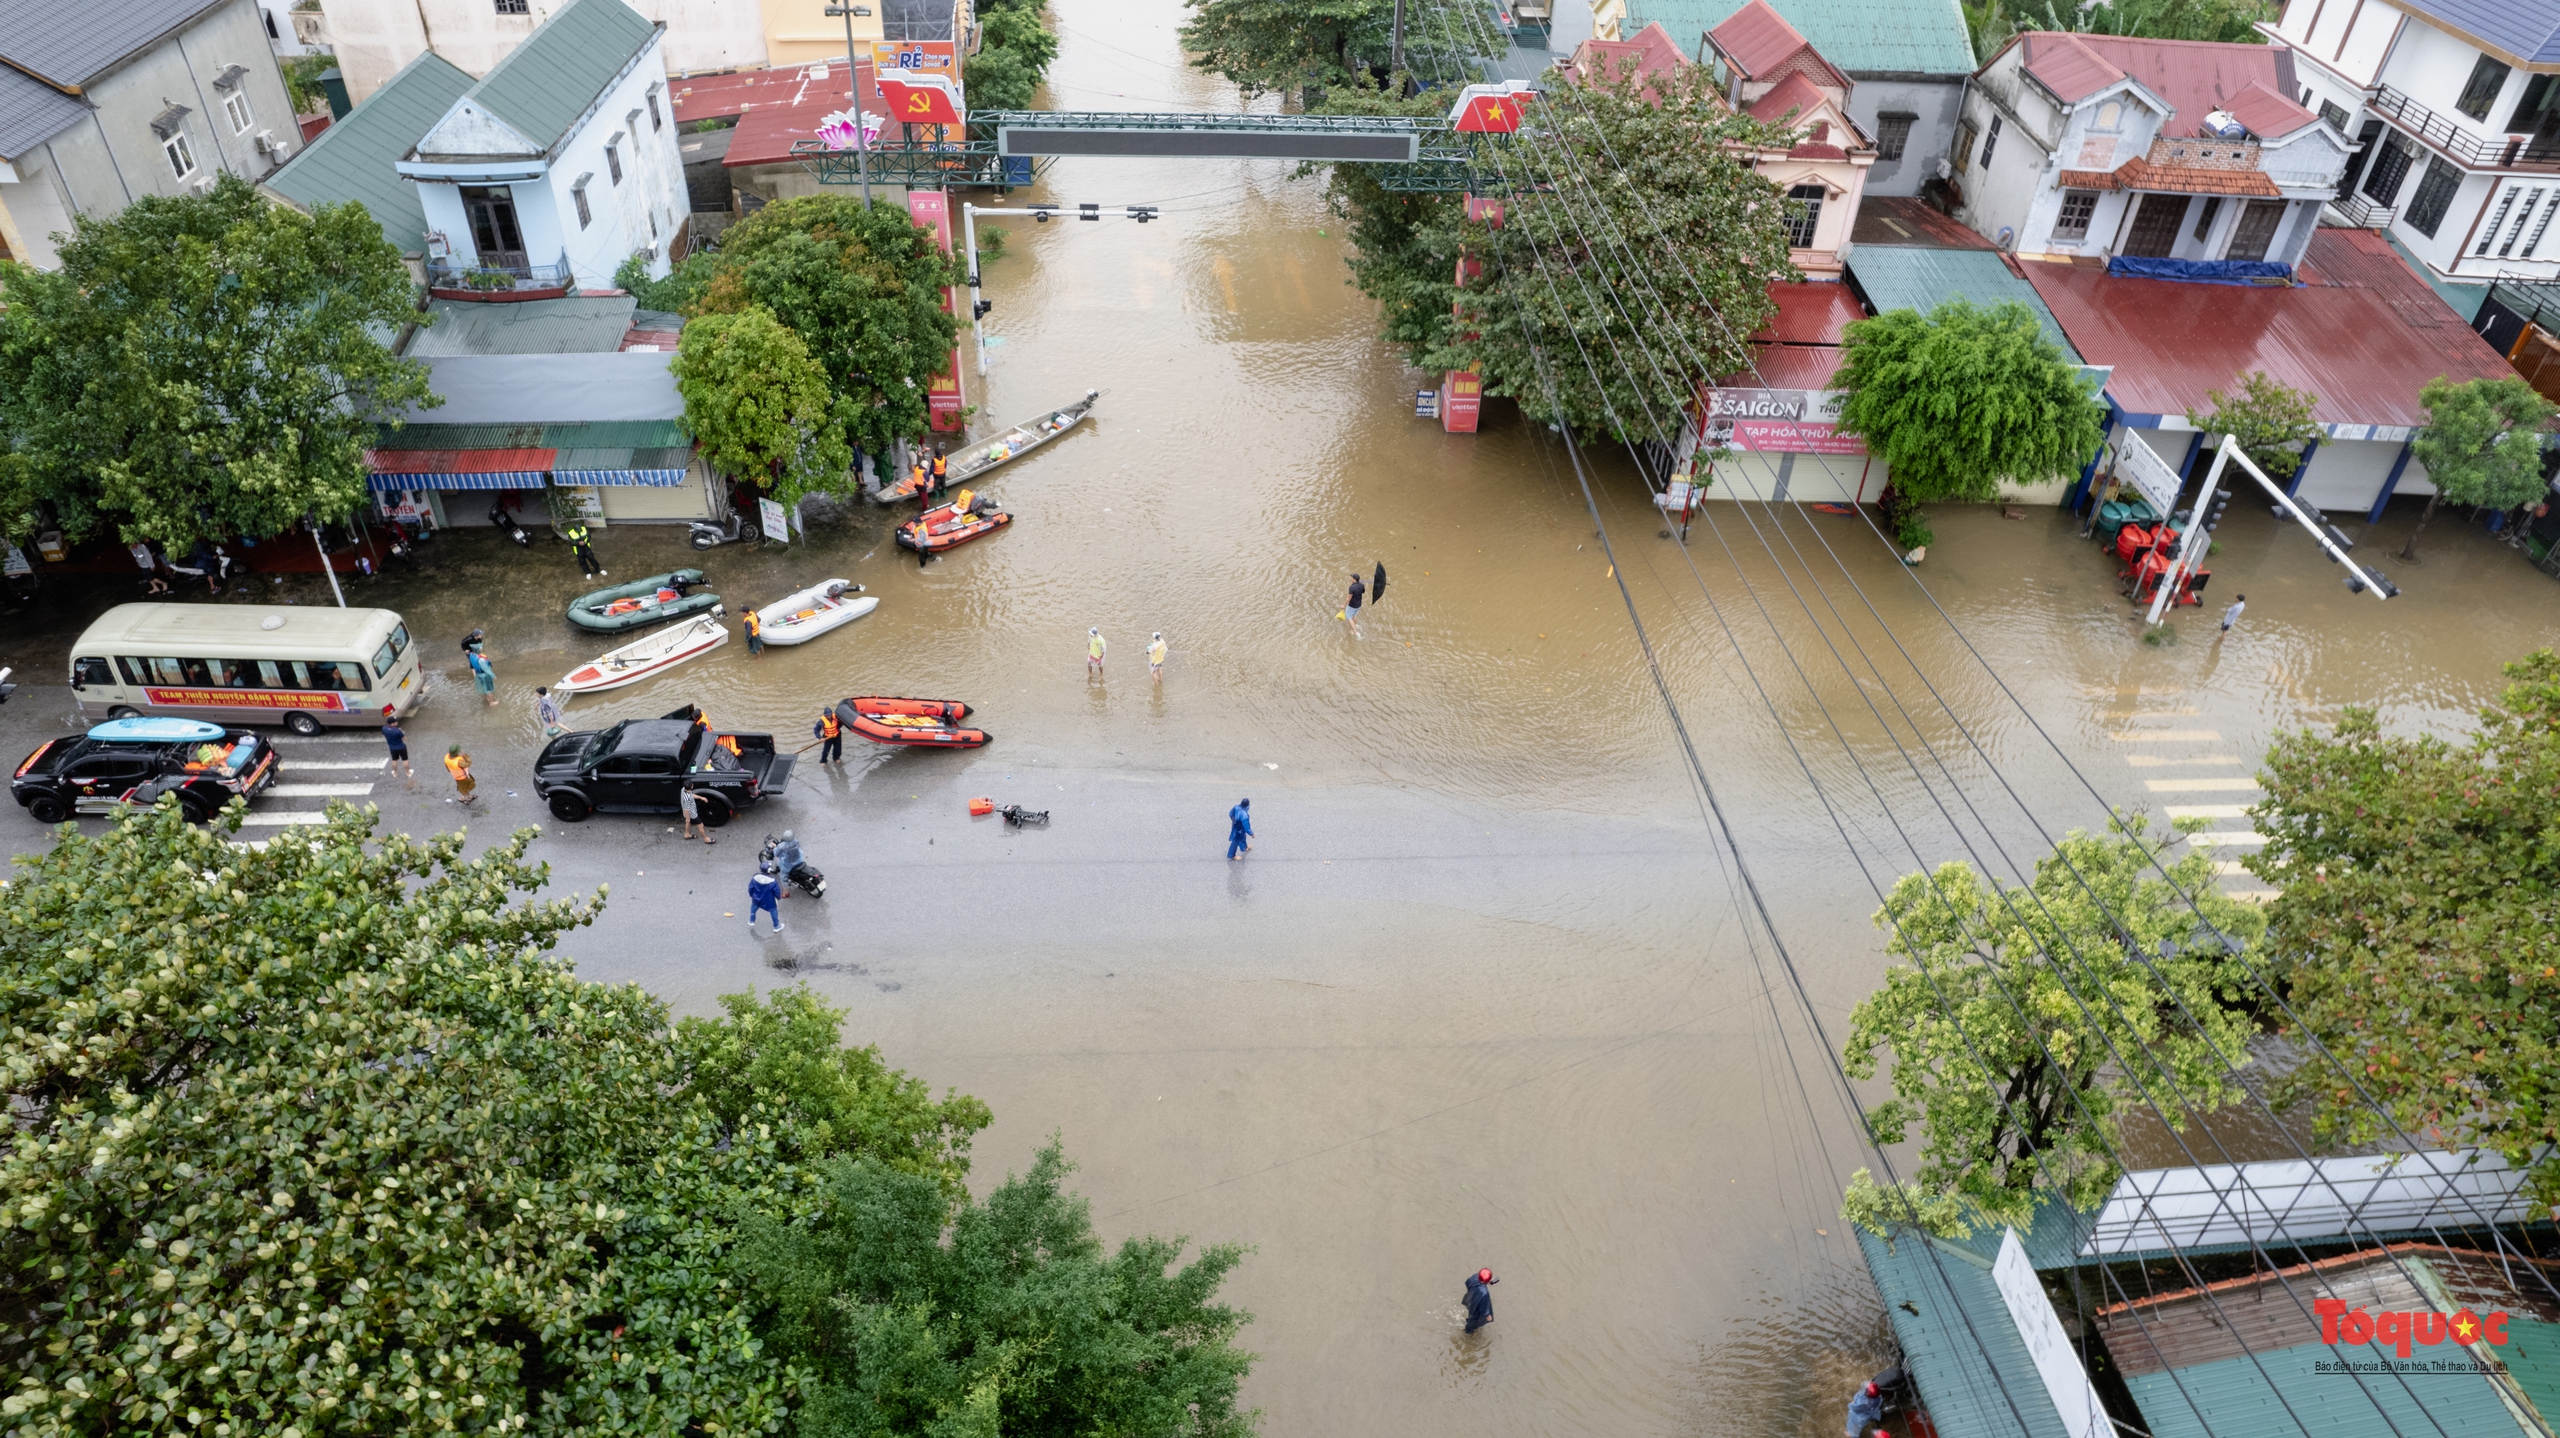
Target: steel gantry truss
pixel 1006 148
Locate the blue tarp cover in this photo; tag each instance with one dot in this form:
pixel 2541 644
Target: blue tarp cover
pixel 2202 272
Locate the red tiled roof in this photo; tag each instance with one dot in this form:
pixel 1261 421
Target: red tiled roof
pixel 1652 52
pixel 1810 313
pixel 1792 93
pixel 1756 38
pixel 708 97
pixel 1792 366
pixel 2196 77
pixel 766 132
pixel 2364 349
pixel 2140 174
pixel 457 461
pixel 2268 114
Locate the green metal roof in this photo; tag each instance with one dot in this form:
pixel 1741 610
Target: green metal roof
pixel 1894 277
pixel 651 436
pixel 2532 1356
pixel 2242 1399
pixel 551 79
pixel 1976 1380
pixel 1863 37
pixel 351 160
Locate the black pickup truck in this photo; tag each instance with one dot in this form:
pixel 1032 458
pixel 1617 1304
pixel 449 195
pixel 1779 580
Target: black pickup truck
pixel 639 766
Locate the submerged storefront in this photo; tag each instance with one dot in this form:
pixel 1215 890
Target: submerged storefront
pixel 602 472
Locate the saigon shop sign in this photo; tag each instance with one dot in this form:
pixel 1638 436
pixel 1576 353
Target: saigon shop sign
pixel 2398 1331
pixel 1776 421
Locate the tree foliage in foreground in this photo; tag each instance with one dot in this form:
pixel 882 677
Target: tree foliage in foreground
pixel 2270 419
pixel 1632 263
pixel 1966 398
pixel 758 405
pixel 1267 46
pixel 1008 1317
pixel 2022 1028
pixel 2482 445
pixel 200 367
pixel 2420 923
pixel 1013 56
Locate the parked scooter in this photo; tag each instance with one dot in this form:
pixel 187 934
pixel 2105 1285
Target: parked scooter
pixel 507 525
pixel 736 529
pixel 804 875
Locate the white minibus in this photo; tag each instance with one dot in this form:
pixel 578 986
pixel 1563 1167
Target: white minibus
pixel 302 668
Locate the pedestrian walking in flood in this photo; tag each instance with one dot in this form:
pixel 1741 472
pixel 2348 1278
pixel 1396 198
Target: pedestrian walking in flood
pixel 582 545
pixel 2231 616
pixel 1866 1410
pixel 546 711
pixel 755 630
pixel 830 732
pixel 764 896
pixel 1094 648
pixel 472 641
pixel 458 764
pixel 1351 606
pixel 1480 1298
pixel 398 739
pixel 484 678
pixel 1155 657
pixel 1239 830
pixel 689 805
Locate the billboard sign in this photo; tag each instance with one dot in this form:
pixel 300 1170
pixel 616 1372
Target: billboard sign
pixel 2141 466
pixel 2066 1381
pixel 921 98
pixel 1776 421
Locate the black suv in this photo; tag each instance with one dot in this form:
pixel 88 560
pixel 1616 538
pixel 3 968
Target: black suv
pixel 123 762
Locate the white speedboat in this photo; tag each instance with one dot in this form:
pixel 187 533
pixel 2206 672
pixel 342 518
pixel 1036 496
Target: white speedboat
pixel 642 658
pixel 799 618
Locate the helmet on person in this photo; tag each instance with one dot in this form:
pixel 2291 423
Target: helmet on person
pixel 1484 1275
pixel 766 867
pixel 786 836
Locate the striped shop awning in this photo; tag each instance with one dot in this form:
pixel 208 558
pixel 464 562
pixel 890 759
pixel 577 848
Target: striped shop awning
pixel 399 469
pixel 653 468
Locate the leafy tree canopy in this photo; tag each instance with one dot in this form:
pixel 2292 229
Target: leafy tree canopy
pixel 758 404
pixel 1964 398
pixel 200 367
pixel 1014 55
pixel 2482 444
pixel 2420 919
pixel 861 285
pixel 1632 260
pixel 2271 421
pixel 1009 1317
pixel 2021 1027
pixel 1266 46
pixel 2230 22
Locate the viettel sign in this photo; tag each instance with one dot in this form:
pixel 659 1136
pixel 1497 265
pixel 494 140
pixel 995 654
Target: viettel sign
pixel 2398 1331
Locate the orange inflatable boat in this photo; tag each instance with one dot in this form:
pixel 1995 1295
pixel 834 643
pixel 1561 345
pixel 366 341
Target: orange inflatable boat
pixel 965 518
pixel 923 723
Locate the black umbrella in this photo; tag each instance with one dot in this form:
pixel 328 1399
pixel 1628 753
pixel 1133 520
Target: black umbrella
pixel 1378 586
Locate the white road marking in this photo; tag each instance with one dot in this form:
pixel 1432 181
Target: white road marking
pixel 273 821
pixel 315 791
pixel 2206 839
pixel 2229 866
pixel 2150 713
pixel 2197 786
pixel 2162 761
pixel 2164 736
pixel 2208 811
pixel 291 764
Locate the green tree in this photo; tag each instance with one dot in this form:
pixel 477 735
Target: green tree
pixel 780 1061
pixel 862 286
pixel 2420 924
pixel 1008 1318
pixel 758 405
pixel 1965 398
pixel 302 81
pixel 2271 420
pixel 680 292
pixel 200 367
pixel 2482 445
pixel 1014 55
pixel 1619 180
pixel 2014 1084
pixel 1281 46
pixel 314 1137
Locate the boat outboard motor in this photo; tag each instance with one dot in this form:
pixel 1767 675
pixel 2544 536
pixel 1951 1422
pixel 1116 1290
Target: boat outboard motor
pixel 507 525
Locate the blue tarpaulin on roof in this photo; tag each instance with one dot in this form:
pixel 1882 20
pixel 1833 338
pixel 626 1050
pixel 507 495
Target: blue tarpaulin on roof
pixel 503 479
pixel 2201 272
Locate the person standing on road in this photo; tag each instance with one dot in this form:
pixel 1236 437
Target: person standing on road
pixel 1351 605
pixel 581 545
pixel 484 678
pixel 546 710
pixel 398 739
pixel 1094 648
pixel 690 805
pixel 1480 1298
pixel 941 470
pixel 2231 616
pixel 458 764
pixel 1155 657
pixel 755 630
pixel 830 732
pixel 1240 829
pixel 764 896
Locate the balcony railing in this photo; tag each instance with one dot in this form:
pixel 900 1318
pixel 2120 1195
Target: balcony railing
pixel 498 279
pixel 2511 152
pixel 2362 212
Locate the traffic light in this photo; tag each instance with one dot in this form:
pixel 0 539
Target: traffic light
pixel 1089 212
pixel 979 310
pixel 2381 581
pixel 1040 213
pixel 2213 510
pixel 1142 213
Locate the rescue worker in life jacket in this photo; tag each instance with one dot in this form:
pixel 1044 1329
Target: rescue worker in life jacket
pixel 941 471
pixel 830 729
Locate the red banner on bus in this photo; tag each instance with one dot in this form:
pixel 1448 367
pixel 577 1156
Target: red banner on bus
pixel 248 698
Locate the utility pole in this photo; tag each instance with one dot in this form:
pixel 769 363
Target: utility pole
pixel 1397 61
pixel 853 87
pixel 1040 214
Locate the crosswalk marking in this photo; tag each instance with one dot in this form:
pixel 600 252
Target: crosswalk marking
pixel 278 820
pixel 2164 736
pixel 2207 839
pixel 2197 786
pixel 2229 866
pixel 2207 811
pixel 315 791
pixel 2162 761
pixel 294 765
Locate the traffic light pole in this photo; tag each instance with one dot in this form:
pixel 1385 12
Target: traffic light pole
pixel 1043 214
pixel 2198 539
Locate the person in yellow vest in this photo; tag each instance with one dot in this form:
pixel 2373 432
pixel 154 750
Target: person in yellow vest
pixel 582 546
pixel 830 730
pixel 1094 649
pixel 755 630
pixel 1155 657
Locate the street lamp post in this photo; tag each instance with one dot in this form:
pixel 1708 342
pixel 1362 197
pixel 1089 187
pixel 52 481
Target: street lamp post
pixel 853 86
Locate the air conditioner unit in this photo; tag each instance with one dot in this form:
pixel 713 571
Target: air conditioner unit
pixel 202 185
pixel 266 142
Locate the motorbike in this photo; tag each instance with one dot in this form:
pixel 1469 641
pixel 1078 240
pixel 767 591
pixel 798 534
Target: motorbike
pixel 804 876
pixel 735 529
pixel 507 525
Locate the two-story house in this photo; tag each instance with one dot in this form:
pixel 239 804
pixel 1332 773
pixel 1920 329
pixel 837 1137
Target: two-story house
pixel 1772 73
pixel 2457 110
pixel 1909 60
pixel 102 105
pixel 2160 149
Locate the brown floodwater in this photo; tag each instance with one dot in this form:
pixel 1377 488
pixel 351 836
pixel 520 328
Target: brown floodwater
pixel 1486 992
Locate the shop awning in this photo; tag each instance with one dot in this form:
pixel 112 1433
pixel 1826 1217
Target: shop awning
pixel 654 467
pixel 398 469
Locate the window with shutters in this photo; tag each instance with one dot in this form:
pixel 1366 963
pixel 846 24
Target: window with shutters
pixel 613 162
pixel 2077 207
pixel 656 122
pixel 515 7
pixel 2336 116
pixel 1991 140
pixel 2435 193
pixel 182 160
pixel 586 216
pixel 1800 228
pixel 1964 144
pixel 235 108
pixel 1893 133
pixel 2390 167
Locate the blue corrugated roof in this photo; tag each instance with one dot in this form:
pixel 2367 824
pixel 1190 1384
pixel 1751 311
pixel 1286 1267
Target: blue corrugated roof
pixel 1959 1343
pixel 2241 1399
pixel 1863 37
pixel 1895 277
pixel 2525 30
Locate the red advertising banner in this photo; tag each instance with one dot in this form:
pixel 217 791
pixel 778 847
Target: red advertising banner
pixel 943 395
pixel 249 698
pixel 921 98
pixel 1461 397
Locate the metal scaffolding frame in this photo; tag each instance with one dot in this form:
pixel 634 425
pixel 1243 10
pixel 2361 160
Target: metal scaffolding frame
pixel 1003 149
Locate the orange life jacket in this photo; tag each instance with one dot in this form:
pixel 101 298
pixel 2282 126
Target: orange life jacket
pixel 829 726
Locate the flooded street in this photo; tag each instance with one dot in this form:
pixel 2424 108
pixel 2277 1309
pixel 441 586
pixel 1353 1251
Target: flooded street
pixel 1483 994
